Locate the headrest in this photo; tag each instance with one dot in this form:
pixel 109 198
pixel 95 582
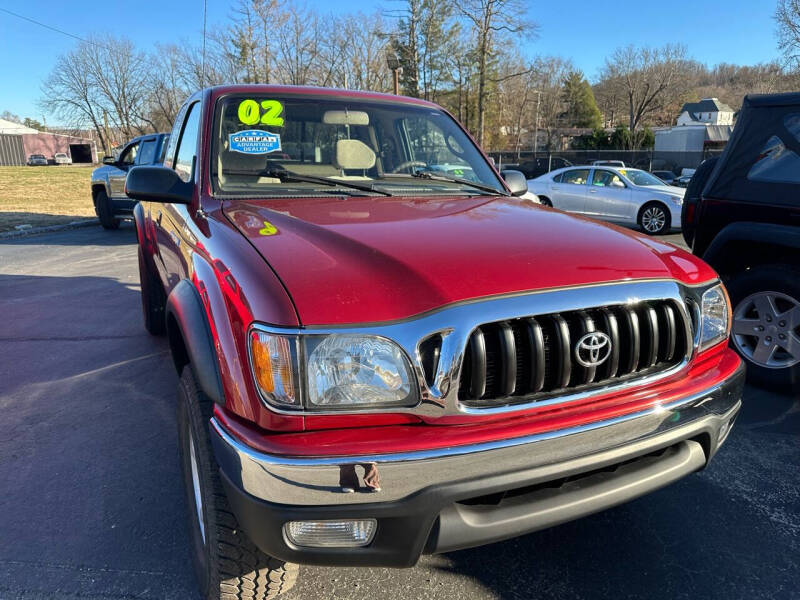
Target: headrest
pixel 354 154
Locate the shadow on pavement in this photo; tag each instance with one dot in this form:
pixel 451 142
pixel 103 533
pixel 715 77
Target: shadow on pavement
pixel 80 236
pixel 91 497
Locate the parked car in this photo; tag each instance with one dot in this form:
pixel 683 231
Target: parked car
pixel 609 163
pixel 37 160
pixel 108 181
pixel 538 166
pixel 743 216
pixel 624 196
pixel 667 177
pixel 378 360
pixel 682 181
pixel 61 158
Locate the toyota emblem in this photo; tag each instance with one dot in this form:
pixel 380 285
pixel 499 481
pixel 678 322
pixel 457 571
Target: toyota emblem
pixel 592 349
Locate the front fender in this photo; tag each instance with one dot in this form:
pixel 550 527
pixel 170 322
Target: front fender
pixel 191 340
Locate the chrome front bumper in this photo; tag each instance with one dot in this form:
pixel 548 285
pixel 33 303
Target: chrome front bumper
pixel 426 501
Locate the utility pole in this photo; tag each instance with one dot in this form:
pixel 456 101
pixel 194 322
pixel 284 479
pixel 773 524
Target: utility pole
pixel 536 127
pixel 393 62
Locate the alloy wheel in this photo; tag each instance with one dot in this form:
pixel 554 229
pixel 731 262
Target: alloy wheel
pixel 653 219
pixel 766 329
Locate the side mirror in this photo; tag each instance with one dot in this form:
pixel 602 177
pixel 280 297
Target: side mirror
pixel 515 181
pixel 109 160
pixel 157 184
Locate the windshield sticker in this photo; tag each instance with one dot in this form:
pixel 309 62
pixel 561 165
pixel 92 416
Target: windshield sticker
pixel 623 171
pixel 250 112
pixel 254 141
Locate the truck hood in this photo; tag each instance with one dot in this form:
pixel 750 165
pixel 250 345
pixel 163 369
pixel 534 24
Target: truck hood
pixel 368 259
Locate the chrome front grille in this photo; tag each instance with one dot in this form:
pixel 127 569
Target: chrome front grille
pixel 526 359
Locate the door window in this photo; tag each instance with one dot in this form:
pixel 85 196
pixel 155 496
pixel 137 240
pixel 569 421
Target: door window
pixel 776 163
pixel 575 176
pixel 128 156
pixel 187 146
pixel 603 178
pixel 147 152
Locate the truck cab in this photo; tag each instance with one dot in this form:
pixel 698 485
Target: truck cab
pixel 108 181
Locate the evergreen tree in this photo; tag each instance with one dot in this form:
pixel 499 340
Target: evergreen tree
pixel 582 109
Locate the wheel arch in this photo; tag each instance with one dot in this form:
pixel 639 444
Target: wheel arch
pixel 748 244
pixel 190 339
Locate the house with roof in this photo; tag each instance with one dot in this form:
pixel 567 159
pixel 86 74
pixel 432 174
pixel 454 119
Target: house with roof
pixel 709 111
pixel 702 127
pixel 17 142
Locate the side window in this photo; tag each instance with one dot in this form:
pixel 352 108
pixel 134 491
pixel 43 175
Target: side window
pixel 187 146
pixel 576 176
pixel 776 163
pixel 169 153
pixel 601 178
pixel 128 156
pixel 147 152
pixel 557 178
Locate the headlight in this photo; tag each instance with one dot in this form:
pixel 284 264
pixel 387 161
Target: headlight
pixel 714 317
pixel 677 199
pixel 340 371
pixel 357 371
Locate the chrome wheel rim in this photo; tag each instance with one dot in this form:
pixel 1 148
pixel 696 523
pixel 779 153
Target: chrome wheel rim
pixel 653 219
pixel 198 500
pixel 766 329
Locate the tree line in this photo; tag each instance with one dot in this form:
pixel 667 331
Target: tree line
pixel 467 55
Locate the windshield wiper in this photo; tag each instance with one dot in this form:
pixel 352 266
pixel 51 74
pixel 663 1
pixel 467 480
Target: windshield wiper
pixel 440 177
pixel 285 175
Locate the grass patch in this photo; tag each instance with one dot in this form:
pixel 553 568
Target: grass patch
pixel 39 196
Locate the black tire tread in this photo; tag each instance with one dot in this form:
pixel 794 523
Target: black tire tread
pixel 238 569
pixel 104 213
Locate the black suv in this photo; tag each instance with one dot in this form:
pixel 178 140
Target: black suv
pixel 741 214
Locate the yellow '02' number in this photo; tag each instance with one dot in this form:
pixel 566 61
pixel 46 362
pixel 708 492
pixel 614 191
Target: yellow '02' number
pixel 250 112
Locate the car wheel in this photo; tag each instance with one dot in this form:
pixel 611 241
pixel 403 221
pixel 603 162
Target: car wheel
pixel 654 218
pixel 228 565
pixel 153 300
pixel 104 211
pixel 766 324
pixel 544 201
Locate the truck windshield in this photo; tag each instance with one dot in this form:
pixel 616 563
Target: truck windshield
pixel 341 145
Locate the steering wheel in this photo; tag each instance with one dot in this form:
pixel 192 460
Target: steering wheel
pixel 408 163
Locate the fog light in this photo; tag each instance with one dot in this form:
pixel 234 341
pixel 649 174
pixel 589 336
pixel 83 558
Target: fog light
pixel 330 534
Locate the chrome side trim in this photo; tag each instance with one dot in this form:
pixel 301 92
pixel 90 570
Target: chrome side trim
pixel 455 323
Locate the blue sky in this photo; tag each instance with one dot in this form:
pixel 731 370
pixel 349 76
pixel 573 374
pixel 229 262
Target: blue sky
pixel 733 31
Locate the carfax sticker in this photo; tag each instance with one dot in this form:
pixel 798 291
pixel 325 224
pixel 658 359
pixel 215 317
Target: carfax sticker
pixel 254 141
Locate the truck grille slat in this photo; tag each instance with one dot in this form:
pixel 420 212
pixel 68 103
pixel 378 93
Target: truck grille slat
pixel 531 358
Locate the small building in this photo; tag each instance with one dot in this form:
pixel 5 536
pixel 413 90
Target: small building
pixel 17 142
pixel 709 111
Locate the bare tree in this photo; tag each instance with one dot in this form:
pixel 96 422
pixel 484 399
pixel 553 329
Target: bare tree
pixel 787 16
pixel 69 93
pixel 300 39
pixel 490 21
pixel 650 79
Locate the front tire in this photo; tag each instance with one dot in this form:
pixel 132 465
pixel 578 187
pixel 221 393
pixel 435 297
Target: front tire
pixel 228 565
pixel 766 324
pixel 104 211
pixel 654 218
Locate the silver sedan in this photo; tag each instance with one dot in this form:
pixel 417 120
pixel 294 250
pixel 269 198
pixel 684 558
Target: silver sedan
pixel 620 195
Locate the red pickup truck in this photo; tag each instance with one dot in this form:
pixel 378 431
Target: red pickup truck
pixel 383 351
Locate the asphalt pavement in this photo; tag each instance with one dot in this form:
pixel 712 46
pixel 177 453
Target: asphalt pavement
pixel 91 505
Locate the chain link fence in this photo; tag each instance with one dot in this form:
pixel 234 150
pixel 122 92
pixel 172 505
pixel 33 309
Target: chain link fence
pixel 534 164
